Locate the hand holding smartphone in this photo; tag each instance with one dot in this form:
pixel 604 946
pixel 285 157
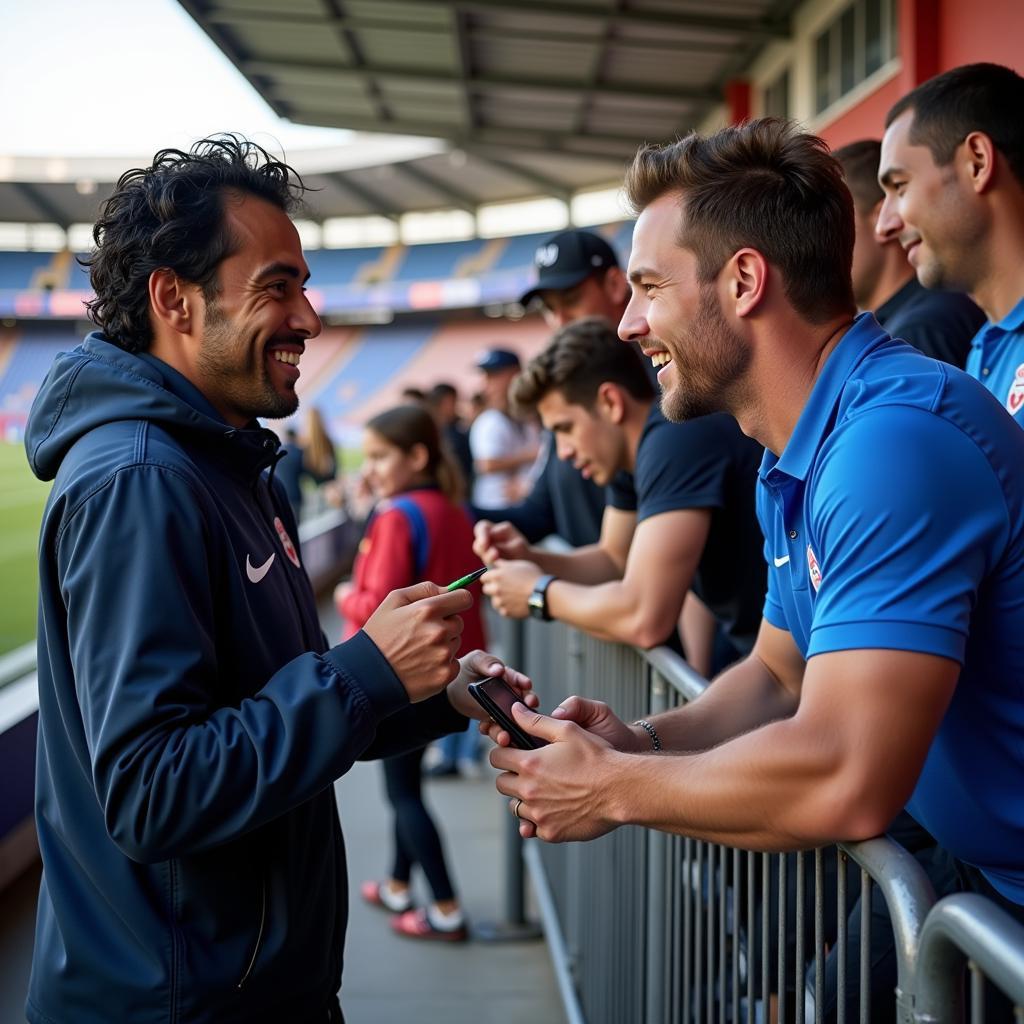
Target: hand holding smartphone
pixel 496 697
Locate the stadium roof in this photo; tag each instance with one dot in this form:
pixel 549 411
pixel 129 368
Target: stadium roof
pixel 522 98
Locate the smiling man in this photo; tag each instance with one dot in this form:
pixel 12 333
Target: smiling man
pixel 680 508
pixel 952 167
pixel 888 666
pixel 192 718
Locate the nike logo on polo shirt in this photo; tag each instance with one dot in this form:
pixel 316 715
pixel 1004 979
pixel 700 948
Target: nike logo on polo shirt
pixel 780 562
pixel 257 572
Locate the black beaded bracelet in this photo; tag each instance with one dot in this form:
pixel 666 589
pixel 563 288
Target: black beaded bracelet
pixel 651 731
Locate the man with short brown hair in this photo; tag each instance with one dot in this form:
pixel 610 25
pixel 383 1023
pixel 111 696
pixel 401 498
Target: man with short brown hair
pixel 939 323
pixel 888 666
pixel 952 168
pixel 680 509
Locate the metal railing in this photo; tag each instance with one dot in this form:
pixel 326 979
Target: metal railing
pixel 647 927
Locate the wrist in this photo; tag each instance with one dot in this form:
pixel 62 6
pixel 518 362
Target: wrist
pixel 649 738
pixel 619 790
pixel 537 602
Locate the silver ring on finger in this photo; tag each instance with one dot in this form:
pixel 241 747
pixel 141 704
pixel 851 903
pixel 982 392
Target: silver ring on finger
pixel 516 806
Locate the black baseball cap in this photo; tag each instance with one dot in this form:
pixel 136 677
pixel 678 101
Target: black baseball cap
pixel 566 259
pixel 493 359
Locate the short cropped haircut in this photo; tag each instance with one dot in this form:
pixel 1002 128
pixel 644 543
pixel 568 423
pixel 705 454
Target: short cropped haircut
pixel 171 215
pixel 580 358
pixel 985 98
pixel 859 161
pixel 763 184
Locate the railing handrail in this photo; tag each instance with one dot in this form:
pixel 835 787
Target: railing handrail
pixel 960 927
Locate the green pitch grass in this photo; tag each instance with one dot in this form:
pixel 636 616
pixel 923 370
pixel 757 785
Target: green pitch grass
pixel 22 498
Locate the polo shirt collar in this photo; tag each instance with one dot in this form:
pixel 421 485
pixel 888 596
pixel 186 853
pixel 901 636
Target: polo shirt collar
pixel 1013 321
pixel 817 415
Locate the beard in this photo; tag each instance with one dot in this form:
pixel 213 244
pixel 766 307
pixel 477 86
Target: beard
pixel 240 369
pixel 709 362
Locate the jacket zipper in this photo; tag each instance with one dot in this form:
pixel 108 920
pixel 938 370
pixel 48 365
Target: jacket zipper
pixel 259 935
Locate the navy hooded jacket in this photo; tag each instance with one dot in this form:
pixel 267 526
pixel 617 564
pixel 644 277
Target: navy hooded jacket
pixel 192 718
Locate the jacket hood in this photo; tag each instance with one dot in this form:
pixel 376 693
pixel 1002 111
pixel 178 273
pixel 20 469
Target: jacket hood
pixel 99 382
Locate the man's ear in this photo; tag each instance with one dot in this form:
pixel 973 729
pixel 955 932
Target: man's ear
pixel 979 155
pixel 610 404
pixel 746 281
pixel 173 302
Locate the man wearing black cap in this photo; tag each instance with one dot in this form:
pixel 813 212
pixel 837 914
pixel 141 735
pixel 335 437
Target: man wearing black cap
pixel 578 275
pixel 503 448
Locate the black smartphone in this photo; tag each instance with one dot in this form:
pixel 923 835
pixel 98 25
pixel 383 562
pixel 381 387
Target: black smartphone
pixel 496 697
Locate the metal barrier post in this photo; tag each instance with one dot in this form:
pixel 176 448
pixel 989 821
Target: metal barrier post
pixel 514 927
pixel 658 847
pixel 909 896
pixel 959 927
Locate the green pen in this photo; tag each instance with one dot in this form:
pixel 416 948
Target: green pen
pixel 467 580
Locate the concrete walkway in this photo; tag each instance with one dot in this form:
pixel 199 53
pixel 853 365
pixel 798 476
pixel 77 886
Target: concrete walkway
pixel 390 980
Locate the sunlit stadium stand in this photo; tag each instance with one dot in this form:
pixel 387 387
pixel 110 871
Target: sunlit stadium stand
pixel 339 266
pixel 449 354
pixel 349 373
pixel 435 260
pixel 28 357
pixel 18 268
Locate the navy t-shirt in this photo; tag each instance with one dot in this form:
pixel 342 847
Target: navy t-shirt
pixel 939 324
pixel 706 463
pixel 562 502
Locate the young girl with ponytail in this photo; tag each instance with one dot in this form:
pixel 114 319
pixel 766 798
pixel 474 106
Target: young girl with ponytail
pixel 418 531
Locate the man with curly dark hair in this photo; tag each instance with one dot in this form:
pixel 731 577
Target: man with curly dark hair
pixel 192 715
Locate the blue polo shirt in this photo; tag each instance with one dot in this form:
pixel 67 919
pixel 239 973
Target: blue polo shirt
pixel 997 360
pixel 894 519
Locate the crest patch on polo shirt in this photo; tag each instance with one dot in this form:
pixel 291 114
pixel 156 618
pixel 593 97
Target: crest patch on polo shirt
pixel 1015 396
pixel 813 569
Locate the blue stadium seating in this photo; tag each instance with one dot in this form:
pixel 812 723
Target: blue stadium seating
pixel 434 261
pixel 338 266
pixel 17 268
pixel 380 353
pixel 34 351
pixel 622 240
pixel 78 277
pixel 519 251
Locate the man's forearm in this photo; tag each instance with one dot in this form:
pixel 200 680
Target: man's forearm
pixel 589 565
pixel 745 696
pixel 775 788
pixel 612 611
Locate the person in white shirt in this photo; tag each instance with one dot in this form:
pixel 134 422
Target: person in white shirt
pixel 504 449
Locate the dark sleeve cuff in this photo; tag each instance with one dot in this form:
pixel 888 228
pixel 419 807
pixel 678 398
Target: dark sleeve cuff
pixel 363 667
pixel 414 726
